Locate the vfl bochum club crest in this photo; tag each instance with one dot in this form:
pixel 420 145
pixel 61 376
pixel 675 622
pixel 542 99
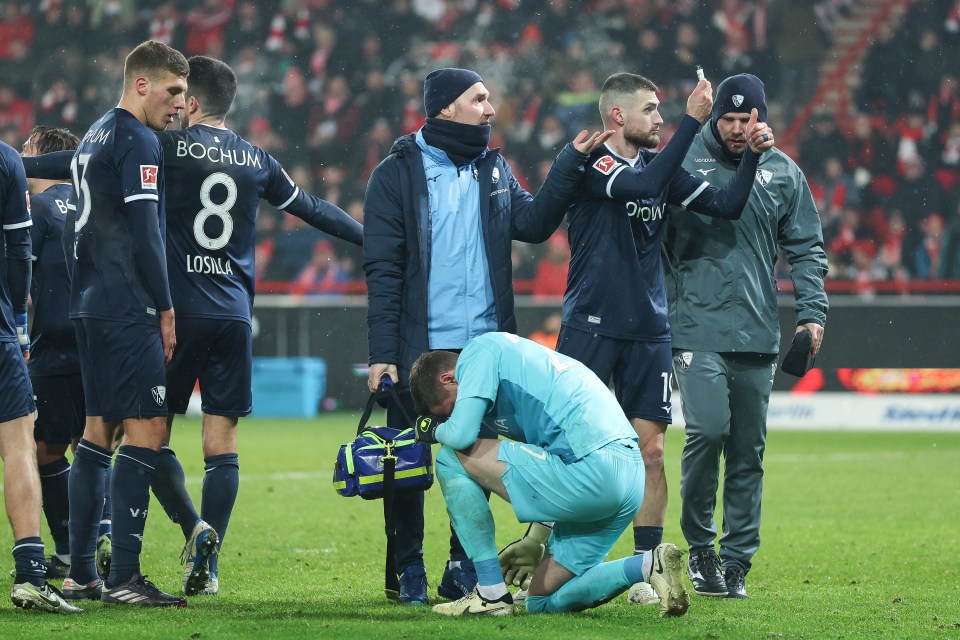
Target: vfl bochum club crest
pixel 159 393
pixel 764 176
pixel 684 359
pixel 737 100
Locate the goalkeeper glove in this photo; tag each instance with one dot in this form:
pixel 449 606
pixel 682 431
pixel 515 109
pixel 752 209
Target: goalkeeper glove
pixel 518 560
pixel 426 429
pixel 23 336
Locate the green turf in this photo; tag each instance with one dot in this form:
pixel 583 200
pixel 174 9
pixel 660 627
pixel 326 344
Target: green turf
pixel 859 541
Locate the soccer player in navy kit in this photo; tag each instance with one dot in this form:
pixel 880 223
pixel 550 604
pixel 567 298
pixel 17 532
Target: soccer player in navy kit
pixel 614 308
pixel 124 319
pixel 54 363
pixel 215 180
pixel 21 483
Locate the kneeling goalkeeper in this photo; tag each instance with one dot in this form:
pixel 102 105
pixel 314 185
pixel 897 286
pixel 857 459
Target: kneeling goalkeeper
pixel 571 458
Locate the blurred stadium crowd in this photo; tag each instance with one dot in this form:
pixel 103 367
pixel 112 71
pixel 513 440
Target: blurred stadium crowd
pixel 327 86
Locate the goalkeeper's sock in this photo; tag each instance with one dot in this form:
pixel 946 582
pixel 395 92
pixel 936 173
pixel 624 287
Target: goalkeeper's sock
pixel 489 576
pixel 490 582
pixel 492 592
pixel 593 587
pixel 169 485
pixel 468 508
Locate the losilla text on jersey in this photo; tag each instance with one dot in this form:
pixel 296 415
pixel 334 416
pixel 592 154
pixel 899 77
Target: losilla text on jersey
pixel 209 265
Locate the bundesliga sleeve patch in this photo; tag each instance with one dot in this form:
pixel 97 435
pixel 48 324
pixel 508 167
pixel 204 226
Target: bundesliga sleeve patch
pixel 605 165
pixel 148 176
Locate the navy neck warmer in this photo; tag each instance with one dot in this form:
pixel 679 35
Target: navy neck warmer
pixel 463 143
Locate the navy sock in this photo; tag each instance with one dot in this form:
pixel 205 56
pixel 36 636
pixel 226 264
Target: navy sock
pixel 130 490
pixel 106 517
pixel 87 472
pixel 646 539
pixel 221 482
pixel 30 565
pixel 169 486
pixel 55 487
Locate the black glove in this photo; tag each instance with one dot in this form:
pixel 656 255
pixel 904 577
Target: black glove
pixel 800 358
pixel 425 431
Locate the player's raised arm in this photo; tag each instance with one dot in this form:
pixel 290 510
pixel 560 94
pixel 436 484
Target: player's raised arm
pixel 629 106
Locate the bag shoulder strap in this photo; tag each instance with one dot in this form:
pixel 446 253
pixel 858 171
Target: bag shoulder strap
pixel 386 384
pixel 391 583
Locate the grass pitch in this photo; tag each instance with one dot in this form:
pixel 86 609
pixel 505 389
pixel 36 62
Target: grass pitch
pixel 860 532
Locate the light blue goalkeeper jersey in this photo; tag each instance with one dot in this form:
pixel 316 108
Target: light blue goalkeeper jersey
pixel 539 396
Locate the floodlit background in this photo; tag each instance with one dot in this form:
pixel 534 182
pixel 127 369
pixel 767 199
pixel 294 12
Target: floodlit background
pixel 863 95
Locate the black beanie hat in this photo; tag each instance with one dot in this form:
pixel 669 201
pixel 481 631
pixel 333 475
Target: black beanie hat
pixel 740 94
pixel 443 86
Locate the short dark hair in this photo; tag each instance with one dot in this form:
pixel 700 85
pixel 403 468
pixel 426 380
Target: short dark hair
pixel 213 83
pixel 152 59
pixel 49 139
pixel 620 86
pixel 424 378
pixel 628 83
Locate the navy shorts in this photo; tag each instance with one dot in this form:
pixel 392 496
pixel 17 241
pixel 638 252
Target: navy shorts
pixel 16 392
pixel 122 365
pixel 218 353
pixel 642 372
pixel 60 411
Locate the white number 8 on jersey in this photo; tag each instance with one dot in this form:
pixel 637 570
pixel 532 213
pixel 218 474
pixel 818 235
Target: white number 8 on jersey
pixel 211 208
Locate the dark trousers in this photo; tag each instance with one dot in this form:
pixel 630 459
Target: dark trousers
pixel 408 505
pixel 725 398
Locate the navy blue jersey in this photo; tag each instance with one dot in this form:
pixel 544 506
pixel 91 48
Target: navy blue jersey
pixel 119 161
pixel 53 342
pixel 615 282
pixel 14 217
pixel 215 180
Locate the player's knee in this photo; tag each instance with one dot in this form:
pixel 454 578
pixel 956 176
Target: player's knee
pixel 536 604
pixel 448 464
pixel 652 453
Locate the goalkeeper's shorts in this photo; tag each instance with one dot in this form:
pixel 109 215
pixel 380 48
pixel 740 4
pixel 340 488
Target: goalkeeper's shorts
pixel 591 501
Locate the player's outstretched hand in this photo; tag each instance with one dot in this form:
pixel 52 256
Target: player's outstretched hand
pixel 519 559
pixel 759 134
pixel 700 102
pixel 585 144
pixel 425 431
